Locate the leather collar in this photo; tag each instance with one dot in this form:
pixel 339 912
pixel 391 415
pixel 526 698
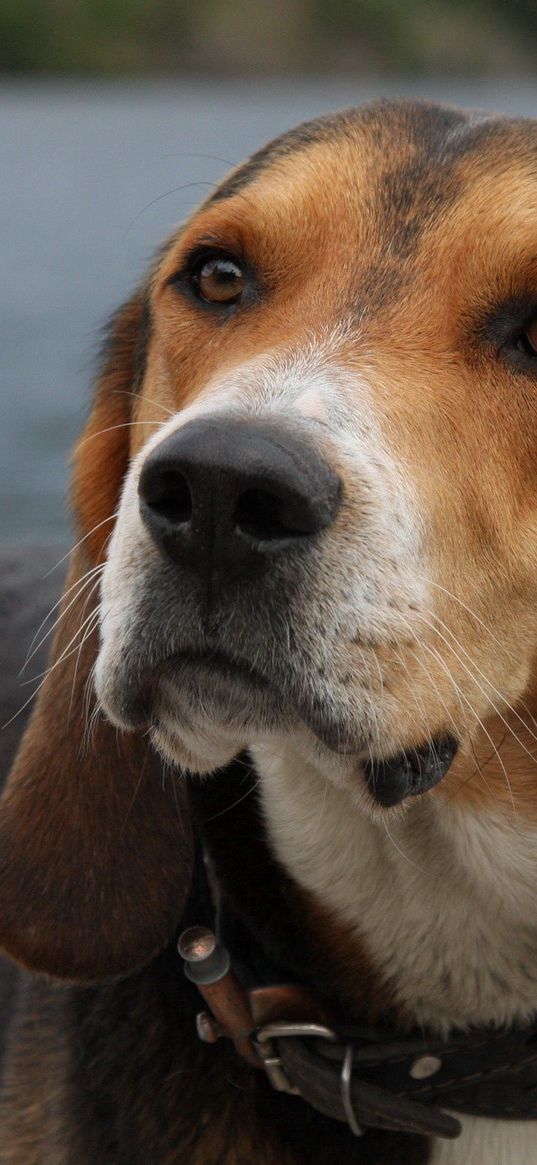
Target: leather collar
pixel 369 1078
pixel 405 1082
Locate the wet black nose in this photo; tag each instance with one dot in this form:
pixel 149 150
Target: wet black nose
pixel 223 494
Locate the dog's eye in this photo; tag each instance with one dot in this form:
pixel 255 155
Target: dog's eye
pixel 526 342
pixel 218 279
pixel 512 329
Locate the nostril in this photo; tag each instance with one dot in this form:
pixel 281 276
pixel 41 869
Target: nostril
pixel 218 495
pixel 167 493
pixel 266 517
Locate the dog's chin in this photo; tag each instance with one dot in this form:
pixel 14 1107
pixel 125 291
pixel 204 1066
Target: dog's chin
pixel 202 716
pixel 202 752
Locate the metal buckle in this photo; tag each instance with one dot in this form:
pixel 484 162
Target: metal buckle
pixel 264 1045
pixel 346 1097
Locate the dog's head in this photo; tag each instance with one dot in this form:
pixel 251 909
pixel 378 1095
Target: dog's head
pixel 310 477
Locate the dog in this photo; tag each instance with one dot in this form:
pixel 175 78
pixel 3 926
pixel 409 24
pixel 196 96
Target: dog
pixel 292 691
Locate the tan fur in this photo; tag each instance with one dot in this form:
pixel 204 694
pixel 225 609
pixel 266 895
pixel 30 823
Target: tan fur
pixel 398 310
pixel 484 537
pixel 102 453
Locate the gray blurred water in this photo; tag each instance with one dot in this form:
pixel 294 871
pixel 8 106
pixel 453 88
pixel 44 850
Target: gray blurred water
pixel 93 176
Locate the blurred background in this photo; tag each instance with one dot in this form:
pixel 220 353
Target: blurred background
pixel 118 116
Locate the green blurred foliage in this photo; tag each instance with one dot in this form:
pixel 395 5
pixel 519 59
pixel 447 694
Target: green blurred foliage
pixel 126 37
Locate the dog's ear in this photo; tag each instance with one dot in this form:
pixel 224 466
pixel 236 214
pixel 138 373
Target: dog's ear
pixel 95 846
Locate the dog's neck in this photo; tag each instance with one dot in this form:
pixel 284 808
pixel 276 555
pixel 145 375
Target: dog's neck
pixel 442 896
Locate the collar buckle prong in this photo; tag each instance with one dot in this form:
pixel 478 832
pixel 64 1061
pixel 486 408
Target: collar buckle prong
pixel 265 1046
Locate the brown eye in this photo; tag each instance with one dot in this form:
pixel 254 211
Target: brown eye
pixel 219 280
pixel 527 342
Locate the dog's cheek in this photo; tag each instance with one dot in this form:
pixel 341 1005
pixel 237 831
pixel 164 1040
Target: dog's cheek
pixel 130 560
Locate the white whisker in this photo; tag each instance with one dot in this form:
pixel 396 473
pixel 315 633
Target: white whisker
pixel 481 688
pixel 81 584
pixel 110 518
pixel 112 428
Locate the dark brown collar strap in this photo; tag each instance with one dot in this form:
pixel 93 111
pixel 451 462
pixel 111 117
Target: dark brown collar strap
pixel 405 1083
pixel 368 1078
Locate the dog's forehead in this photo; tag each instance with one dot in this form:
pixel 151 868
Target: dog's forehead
pixel 385 132
pixel 405 162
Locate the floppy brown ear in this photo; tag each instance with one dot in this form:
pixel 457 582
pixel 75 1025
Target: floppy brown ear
pixel 95 847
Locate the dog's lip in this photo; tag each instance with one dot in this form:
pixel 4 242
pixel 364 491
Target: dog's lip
pixel 226 665
pixel 389 780
pixel 333 738
pixel 229 667
pixel 138 708
pixel 408 774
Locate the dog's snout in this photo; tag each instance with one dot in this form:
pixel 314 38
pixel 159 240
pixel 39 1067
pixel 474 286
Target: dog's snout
pixel 227 492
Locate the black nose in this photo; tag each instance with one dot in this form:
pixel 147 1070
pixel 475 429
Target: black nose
pixel 223 494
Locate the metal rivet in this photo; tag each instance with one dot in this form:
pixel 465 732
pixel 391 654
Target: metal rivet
pixel 207 1028
pixel 196 944
pixel 424 1067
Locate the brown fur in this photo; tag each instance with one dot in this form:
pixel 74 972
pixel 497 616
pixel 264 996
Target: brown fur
pixel 102 454
pixel 83 829
pixel 35 1120
pixel 420 314
pixel 95 848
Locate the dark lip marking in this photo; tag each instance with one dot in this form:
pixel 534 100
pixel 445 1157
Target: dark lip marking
pixel 390 781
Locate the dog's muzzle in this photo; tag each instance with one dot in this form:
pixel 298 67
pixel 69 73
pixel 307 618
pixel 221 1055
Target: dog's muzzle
pixel 245 513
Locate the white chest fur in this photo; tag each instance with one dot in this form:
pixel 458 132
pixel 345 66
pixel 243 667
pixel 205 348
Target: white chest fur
pixel 487 1142
pixel 445 901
